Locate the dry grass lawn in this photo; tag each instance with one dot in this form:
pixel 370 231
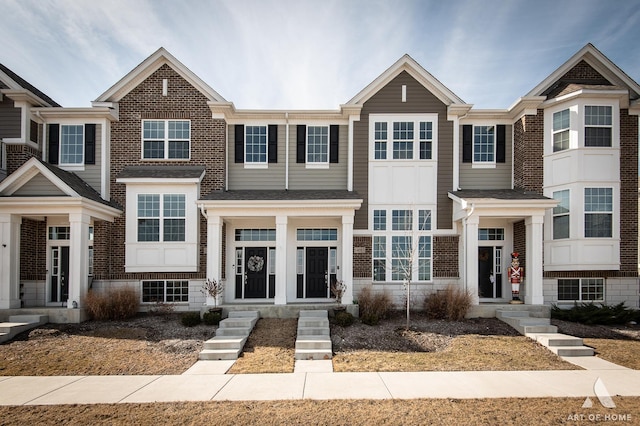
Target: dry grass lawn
pixel 618 351
pixel 538 411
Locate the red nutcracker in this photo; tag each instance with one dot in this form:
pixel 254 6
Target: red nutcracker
pixel 516 275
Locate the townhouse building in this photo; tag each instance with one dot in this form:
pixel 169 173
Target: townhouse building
pixel 162 183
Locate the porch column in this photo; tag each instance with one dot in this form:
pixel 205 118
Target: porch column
pixel 281 260
pixel 214 252
pixel 347 258
pixel 10 261
pixel 471 256
pixel 78 258
pixel 533 271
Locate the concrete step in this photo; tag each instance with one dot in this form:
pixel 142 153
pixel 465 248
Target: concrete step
pixel 244 314
pixel 224 342
pixel 238 322
pixel 511 314
pixel 313 331
pixel 15 327
pixel 313 322
pixel 31 319
pixel 313 354
pixel 313 342
pixel 233 331
pixel 572 350
pixel 556 339
pixel 527 329
pixel 314 314
pixel 219 354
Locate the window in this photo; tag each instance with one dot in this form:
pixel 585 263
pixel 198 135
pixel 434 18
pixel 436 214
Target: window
pixel 165 291
pixel 483 144
pixel 379 220
pixel 426 139
pixel 400 257
pixel 71 144
pixel 561 124
pixel 401 220
pixel 424 258
pixel 59 232
pixel 255 234
pixel 317 234
pixel 379 258
pixel 402 140
pixel 585 289
pixel 167 220
pixel 166 139
pixel 380 150
pixel 424 220
pixel 491 234
pixel 598 122
pixel 598 216
pixel 256 144
pixel 561 215
pixel 317 144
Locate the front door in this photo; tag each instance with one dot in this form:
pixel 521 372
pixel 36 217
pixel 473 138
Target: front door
pixel 317 279
pixel 59 290
pixel 489 272
pixel 255 286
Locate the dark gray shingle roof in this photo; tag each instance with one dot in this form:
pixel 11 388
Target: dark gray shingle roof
pixel 284 195
pixel 28 86
pixel 162 172
pixel 499 194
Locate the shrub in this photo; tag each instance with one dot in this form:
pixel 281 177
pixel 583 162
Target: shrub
pixel 373 306
pixel 190 319
pixel 344 319
pixel 590 313
pixel 451 304
pixel 115 304
pixel 162 309
pixel 212 318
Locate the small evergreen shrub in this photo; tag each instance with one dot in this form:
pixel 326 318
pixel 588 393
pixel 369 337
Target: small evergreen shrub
pixel 374 306
pixel 190 319
pixel 115 304
pixel 344 319
pixel 450 304
pixel 211 318
pixel 590 313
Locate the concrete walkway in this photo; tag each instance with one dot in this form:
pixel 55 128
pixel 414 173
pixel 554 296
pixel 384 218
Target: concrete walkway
pixel 207 381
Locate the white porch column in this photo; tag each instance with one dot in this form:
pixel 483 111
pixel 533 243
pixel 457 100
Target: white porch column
pixel 10 261
pixel 214 252
pixel 78 258
pixel 281 260
pixel 347 258
pixel 471 256
pixel 533 271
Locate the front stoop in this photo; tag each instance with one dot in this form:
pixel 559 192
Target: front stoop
pixel 541 330
pixel 230 337
pixel 313 341
pixel 20 323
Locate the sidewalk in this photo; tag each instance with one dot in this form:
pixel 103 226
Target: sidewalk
pixel 206 381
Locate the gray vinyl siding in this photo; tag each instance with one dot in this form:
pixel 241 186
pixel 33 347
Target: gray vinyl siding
pixel 92 172
pixel 9 119
pixel 493 178
pixel 272 177
pixel 38 186
pixel 388 101
pixel 335 177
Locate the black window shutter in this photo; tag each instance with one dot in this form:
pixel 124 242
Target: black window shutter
pixel 301 143
pixel 54 143
pixel 467 143
pixel 333 143
pixel 273 143
pixel 89 144
pixel 501 139
pixel 239 143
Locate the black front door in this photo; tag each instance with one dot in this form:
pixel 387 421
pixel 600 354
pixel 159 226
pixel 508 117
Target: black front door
pixel 485 272
pixel 59 274
pixel 255 262
pixel 316 272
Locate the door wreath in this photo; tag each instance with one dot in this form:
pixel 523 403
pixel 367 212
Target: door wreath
pixel 255 263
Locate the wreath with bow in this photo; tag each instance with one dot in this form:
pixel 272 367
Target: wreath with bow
pixel 255 263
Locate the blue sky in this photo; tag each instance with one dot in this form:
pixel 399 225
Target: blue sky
pixel 304 54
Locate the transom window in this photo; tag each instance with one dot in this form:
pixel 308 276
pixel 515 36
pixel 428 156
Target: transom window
pixel 161 215
pixel 166 139
pixel 255 234
pixel 598 216
pixel 585 289
pixel 401 220
pixel 561 215
pixel 561 124
pixel 71 144
pixel 379 220
pixel 318 144
pixel 161 291
pixel 255 144
pixel 598 124
pixel 491 234
pixel 483 144
pixel 317 234
pixel 59 232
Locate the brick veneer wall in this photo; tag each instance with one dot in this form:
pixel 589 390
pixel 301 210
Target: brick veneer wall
pixel 628 192
pixel 33 246
pixel 445 256
pixel 520 242
pixel 17 155
pixel 362 257
pixel 207 149
pixel 528 150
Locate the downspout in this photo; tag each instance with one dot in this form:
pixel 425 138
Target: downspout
pixel 226 154
pixel 286 152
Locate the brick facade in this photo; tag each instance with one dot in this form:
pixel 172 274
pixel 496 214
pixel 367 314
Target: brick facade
pixel 17 155
pixel 33 250
pixel 362 257
pixel 528 150
pixel 445 256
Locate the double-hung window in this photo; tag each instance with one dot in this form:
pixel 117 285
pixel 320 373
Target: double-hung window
pixel 71 145
pixel 166 139
pixel 598 212
pixel 585 289
pixel 484 144
pixel 255 144
pixel 161 217
pixel 318 144
pixel 561 218
pixel 403 140
pixel 598 125
pixel 561 124
pixel 380 141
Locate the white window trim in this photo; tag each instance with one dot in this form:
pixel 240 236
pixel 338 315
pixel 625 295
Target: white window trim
pixel 71 166
pixel 580 294
pixel 611 212
pixel 256 164
pixel 166 140
pixel 584 124
pixel 416 119
pixel 164 293
pixel 483 164
pixel 317 164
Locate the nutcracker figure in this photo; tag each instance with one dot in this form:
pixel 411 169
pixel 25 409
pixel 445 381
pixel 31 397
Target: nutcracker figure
pixel 516 275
